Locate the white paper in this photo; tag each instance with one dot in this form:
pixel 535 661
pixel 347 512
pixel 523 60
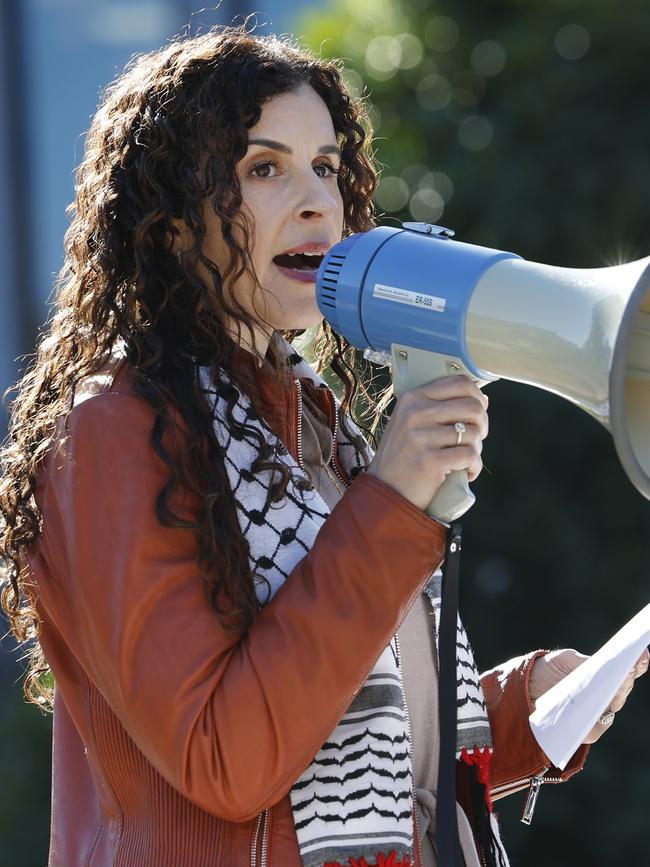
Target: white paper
pixel 565 715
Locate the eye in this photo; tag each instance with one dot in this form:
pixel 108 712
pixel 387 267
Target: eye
pixel 264 169
pixel 330 170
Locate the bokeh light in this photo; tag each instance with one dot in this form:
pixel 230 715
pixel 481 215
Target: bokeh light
pixel 353 81
pixel 440 182
pixel 494 576
pixel 426 205
pixel 413 174
pixel 488 58
pixel 383 57
pixel 433 92
pixel 392 193
pixel 475 133
pixel 441 33
pixel 572 41
pixel 412 50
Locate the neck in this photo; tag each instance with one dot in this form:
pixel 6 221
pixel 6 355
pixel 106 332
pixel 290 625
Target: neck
pixel 257 346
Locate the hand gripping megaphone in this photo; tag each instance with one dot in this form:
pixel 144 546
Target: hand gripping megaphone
pixel 432 306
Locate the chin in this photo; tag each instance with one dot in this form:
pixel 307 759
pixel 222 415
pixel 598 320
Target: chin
pixel 294 319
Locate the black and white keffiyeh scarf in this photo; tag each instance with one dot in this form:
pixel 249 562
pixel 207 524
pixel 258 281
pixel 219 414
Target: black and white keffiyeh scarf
pixel 355 799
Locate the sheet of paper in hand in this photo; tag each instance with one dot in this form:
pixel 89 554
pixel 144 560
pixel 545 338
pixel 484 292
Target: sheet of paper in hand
pixel 565 715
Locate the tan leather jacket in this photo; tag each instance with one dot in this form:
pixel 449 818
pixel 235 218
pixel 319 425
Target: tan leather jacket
pixel 175 742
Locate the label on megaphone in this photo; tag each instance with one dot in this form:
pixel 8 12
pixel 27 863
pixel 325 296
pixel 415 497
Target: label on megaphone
pixel 406 296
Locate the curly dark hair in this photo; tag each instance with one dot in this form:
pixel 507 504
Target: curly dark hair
pixel 188 105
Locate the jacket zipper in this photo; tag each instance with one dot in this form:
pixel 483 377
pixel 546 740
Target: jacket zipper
pixel 299 423
pixel 265 837
pixel 416 842
pixel 299 453
pixel 263 822
pixel 534 785
pixel 333 459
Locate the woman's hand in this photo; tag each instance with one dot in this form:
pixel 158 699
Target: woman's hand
pixel 550 669
pixel 418 448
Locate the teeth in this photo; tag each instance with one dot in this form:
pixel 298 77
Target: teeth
pixel 304 254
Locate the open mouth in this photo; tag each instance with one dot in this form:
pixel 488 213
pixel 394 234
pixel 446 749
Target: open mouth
pixel 299 261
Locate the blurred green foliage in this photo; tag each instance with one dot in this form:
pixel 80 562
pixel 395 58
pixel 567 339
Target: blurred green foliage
pixel 525 126
pixel 25 768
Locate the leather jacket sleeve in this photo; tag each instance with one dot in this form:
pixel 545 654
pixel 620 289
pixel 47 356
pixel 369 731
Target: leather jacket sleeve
pixel 517 755
pixel 230 721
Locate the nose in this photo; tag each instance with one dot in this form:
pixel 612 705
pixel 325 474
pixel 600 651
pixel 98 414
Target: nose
pixel 314 200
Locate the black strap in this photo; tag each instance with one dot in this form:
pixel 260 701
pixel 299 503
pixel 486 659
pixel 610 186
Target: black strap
pixel 449 852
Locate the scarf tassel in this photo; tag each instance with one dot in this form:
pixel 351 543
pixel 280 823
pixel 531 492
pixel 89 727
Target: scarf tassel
pixel 389 860
pixel 478 762
pixel 480 759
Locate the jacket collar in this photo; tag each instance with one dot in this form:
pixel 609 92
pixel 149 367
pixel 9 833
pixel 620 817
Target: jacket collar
pixel 278 393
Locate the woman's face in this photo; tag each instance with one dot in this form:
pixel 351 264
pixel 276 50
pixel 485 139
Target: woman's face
pixel 290 190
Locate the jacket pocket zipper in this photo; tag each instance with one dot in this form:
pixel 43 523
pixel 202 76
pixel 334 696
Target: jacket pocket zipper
pixel 534 785
pixel 261 824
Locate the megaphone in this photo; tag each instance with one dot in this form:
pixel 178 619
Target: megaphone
pixel 431 306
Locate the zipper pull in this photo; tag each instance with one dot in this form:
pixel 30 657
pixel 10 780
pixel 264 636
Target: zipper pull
pixel 531 797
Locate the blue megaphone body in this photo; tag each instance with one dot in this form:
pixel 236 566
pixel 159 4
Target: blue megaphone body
pixel 430 306
pixel 382 288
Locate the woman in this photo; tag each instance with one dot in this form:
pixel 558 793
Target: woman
pixel 229 687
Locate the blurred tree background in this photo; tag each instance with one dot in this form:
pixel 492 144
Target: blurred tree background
pixel 525 126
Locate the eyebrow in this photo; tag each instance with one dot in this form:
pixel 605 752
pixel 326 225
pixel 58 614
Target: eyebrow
pixel 285 149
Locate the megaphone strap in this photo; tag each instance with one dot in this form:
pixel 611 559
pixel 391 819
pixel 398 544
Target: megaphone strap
pixel 449 852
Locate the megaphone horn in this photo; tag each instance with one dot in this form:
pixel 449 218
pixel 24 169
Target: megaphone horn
pixel 435 306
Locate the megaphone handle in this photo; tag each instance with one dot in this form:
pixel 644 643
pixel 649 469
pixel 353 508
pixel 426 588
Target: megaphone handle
pixel 452 499
pixel 412 368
